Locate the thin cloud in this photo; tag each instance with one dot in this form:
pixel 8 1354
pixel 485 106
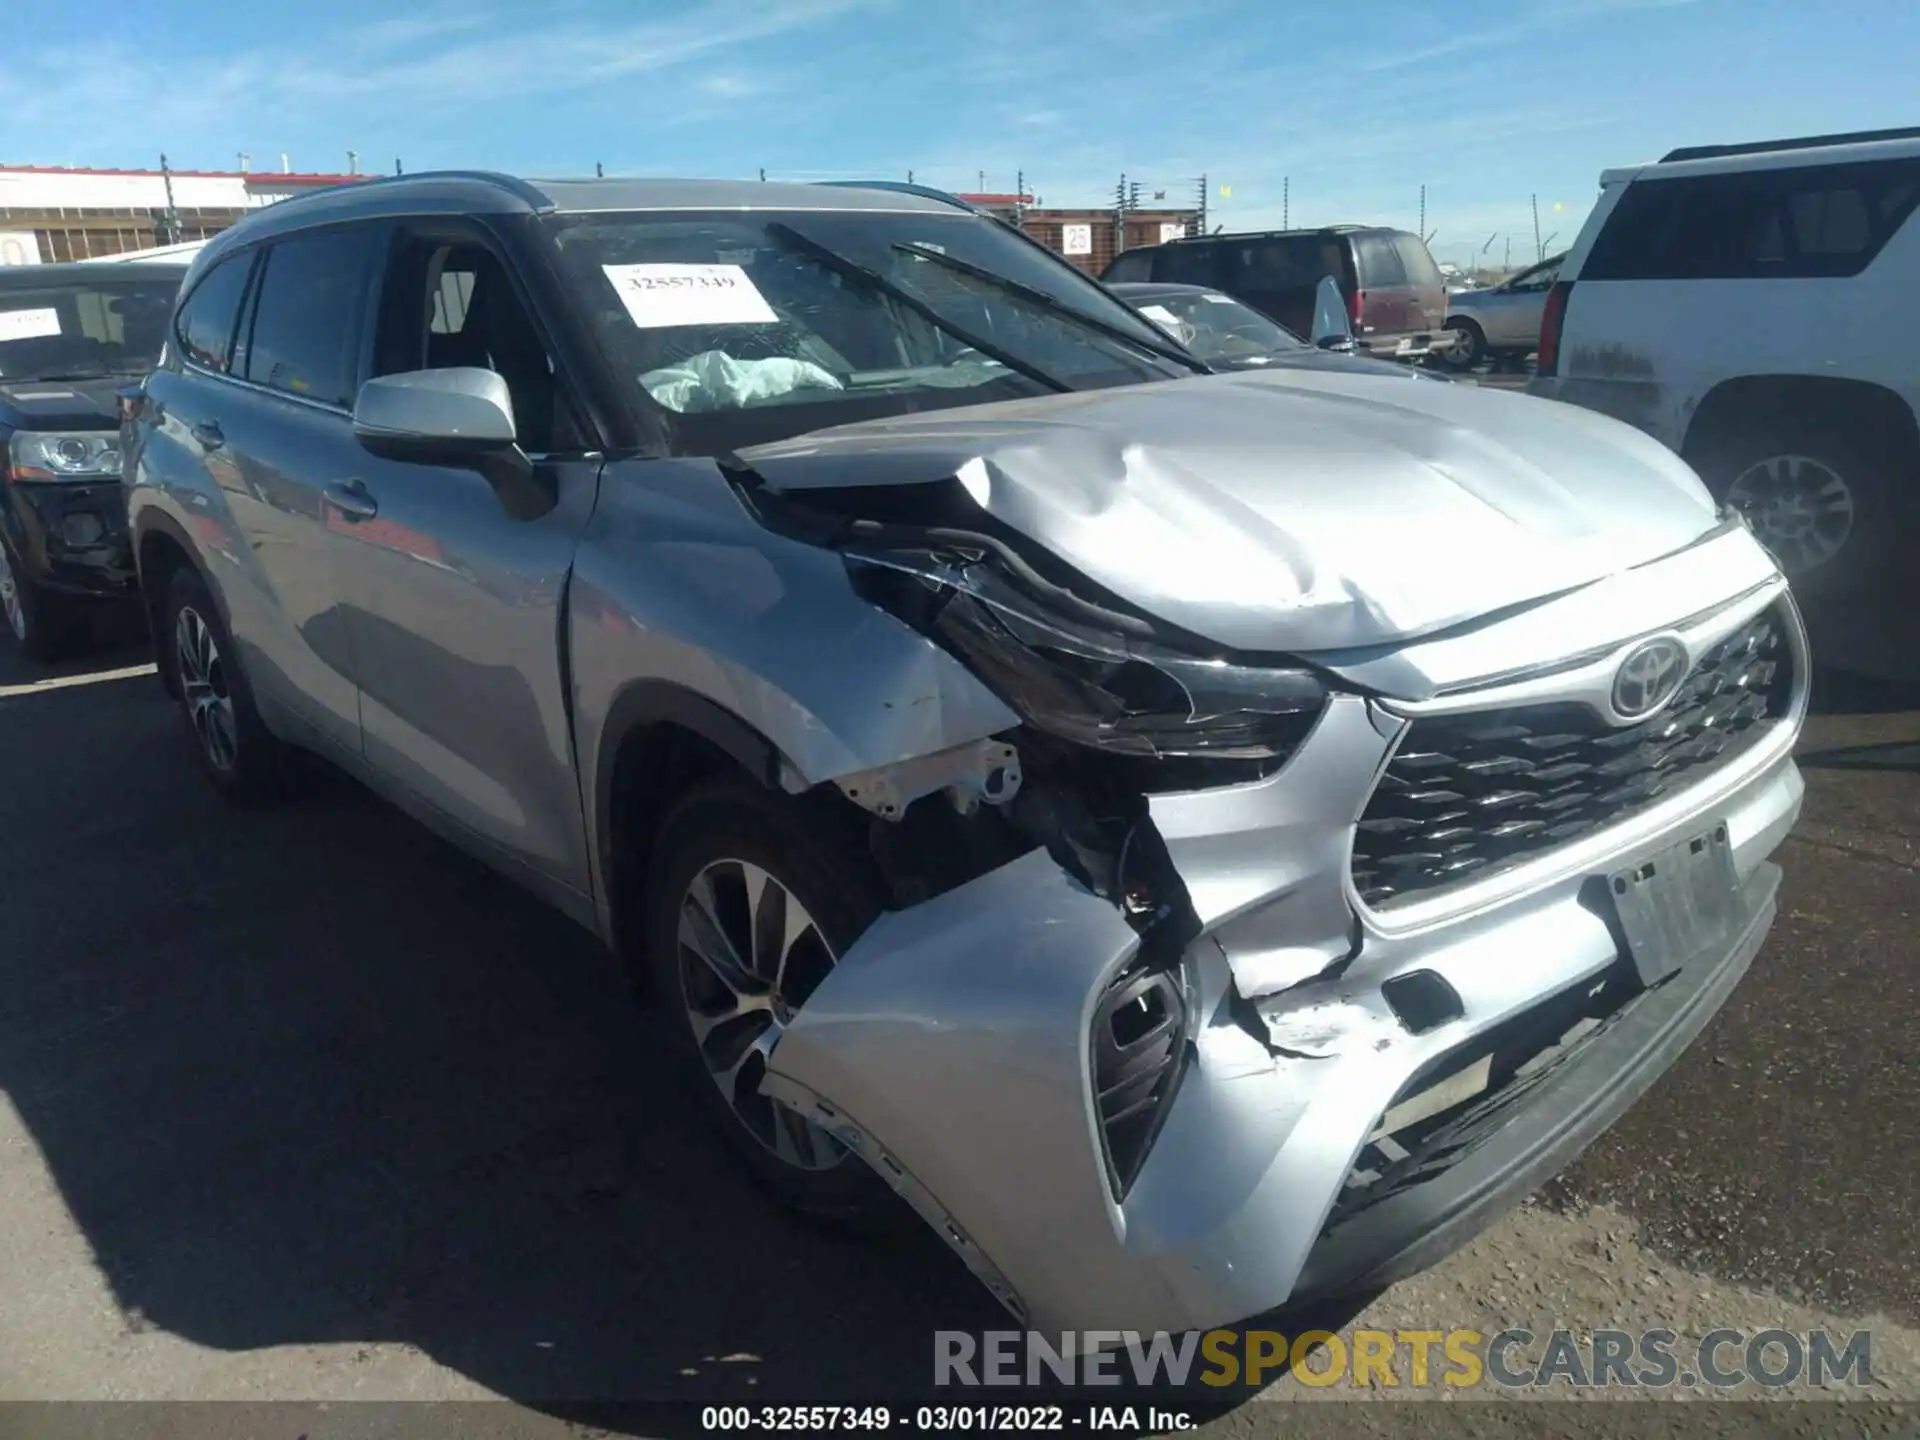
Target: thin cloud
pixel 1529 23
pixel 424 67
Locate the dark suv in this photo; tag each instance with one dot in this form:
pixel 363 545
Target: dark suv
pixel 1396 298
pixel 70 335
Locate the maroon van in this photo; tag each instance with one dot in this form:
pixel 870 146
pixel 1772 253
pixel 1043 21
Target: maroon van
pixel 1396 299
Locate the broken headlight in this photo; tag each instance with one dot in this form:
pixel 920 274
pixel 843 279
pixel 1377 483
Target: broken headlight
pixel 1079 681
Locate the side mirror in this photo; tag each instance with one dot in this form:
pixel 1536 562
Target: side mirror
pixel 460 417
pixel 1331 328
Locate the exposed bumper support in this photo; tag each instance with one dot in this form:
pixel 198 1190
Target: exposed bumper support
pixel 1568 1111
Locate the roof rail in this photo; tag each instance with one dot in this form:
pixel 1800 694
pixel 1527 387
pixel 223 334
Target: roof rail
pixel 520 189
pixel 900 187
pixel 1805 142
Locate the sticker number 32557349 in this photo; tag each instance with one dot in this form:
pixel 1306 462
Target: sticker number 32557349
pixel 28 324
pixel 658 295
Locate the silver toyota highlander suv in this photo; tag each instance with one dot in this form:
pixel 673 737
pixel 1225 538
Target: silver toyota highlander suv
pixel 1204 840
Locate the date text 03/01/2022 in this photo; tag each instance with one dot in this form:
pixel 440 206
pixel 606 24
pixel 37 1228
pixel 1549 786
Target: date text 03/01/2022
pixel 934 1419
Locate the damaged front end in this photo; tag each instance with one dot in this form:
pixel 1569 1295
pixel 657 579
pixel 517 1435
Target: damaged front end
pixel 1128 1037
pixel 1038 853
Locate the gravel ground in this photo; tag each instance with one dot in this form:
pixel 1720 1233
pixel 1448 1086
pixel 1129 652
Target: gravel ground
pixel 303 1106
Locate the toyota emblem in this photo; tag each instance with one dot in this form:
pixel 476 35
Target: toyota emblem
pixel 1648 677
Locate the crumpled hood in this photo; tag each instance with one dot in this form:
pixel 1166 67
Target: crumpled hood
pixel 1294 511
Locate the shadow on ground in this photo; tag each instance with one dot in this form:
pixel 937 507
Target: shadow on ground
pixel 309 1075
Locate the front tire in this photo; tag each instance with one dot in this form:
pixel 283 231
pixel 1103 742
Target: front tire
pixel 39 624
pixel 753 896
pixel 234 748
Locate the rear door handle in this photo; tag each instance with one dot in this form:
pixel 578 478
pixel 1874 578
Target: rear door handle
pixel 209 434
pixel 351 499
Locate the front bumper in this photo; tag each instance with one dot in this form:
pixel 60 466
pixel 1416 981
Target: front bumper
pixel 950 1044
pixel 72 539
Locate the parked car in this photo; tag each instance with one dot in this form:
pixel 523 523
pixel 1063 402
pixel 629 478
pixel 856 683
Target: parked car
pixel 1396 299
pixel 69 335
pixel 959 705
pixel 1502 321
pixel 1751 306
pixel 1231 336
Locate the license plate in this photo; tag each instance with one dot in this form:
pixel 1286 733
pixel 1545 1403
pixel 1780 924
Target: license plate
pixel 1678 905
pixel 1405 347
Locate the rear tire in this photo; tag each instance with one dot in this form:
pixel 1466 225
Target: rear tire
pixel 244 761
pixel 1824 502
pixel 1469 346
pixel 753 896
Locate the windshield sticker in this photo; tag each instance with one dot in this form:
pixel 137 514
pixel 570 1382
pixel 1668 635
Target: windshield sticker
pixel 1161 316
pixel 28 324
pixel 660 296
pixel 1218 299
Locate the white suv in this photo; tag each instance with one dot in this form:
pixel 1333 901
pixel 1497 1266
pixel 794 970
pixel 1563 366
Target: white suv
pixel 1754 307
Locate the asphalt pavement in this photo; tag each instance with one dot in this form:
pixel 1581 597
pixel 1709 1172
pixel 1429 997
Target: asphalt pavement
pixel 303 1104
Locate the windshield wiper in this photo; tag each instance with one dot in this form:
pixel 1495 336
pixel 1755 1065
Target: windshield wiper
pixel 1041 298
pixel 861 275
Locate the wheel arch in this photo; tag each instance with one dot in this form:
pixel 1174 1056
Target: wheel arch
pixel 659 740
pixel 1860 405
pixel 161 549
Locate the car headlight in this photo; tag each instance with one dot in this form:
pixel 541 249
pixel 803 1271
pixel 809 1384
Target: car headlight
pixel 1112 691
pixel 61 455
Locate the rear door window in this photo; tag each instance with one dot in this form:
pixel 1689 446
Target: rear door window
pixel 1291 262
pixel 1784 223
pixel 1380 264
pixel 206 322
pixel 308 321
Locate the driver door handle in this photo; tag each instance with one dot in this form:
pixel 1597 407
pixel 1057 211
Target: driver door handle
pixel 351 499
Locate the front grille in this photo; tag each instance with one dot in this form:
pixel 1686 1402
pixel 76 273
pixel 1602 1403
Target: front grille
pixel 1139 1044
pixel 1466 795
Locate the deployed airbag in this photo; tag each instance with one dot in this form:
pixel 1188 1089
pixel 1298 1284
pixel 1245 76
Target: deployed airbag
pixel 714 380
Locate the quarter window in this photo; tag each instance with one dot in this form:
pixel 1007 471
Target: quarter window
pixel 1380 265
pixel 206 322
pixel 1417 260
pixel 1783 223
pixel 1131 265
pixel 306 326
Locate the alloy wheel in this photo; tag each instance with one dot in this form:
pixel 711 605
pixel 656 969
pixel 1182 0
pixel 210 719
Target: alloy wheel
pixel 1799 507
pixel 749 955
pixel 10 599
pixel 203 688
pixel 1466 347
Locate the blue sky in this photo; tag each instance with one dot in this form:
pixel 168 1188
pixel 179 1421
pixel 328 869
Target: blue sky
pixel 1486 102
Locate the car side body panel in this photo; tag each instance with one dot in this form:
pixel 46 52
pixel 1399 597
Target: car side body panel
pixel 249 545
pixel 677 586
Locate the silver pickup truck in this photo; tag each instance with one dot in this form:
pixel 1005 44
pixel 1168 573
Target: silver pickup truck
pixel 1202 840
